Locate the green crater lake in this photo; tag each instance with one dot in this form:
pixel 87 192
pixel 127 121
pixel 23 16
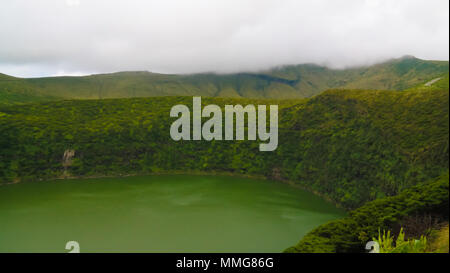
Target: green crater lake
pixel 167 213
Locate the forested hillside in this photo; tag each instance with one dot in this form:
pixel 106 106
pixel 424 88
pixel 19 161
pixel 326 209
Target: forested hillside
pixel 295 81
pixel 349 146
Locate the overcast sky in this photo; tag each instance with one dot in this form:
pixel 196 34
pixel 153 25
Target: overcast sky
pixel 71 37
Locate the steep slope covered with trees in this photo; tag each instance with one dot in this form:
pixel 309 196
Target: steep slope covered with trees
pixel 349 146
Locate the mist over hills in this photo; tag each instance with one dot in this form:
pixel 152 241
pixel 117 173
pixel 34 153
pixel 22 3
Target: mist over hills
pixel 293 81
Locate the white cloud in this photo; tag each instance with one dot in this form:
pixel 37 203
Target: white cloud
pixel 184 36
pixel 72 3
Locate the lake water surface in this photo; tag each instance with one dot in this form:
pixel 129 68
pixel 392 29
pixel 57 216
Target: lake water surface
pixel 169 213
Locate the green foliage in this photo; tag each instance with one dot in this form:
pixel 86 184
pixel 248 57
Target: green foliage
pixel 370 150
pixel 386 243
pixel 349 146
pixel 353 232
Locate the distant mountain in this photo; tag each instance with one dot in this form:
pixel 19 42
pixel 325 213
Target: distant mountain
pixel 296 81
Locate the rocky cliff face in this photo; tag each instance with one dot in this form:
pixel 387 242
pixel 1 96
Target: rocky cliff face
pixel 67 158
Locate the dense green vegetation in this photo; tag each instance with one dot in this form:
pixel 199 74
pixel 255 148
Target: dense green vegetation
pixel 349 146
pixel 381 153
pixel 401 245
pixel 353 232
pixel 299 81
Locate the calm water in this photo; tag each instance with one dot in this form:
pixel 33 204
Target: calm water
pixel 176 213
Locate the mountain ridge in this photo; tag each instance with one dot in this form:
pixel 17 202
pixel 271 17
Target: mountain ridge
pixel 284 82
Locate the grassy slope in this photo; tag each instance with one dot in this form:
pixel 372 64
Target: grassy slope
pixel 399 74
pixel 440 240
pixel 14 91
pixel 441 84
pixel 286 82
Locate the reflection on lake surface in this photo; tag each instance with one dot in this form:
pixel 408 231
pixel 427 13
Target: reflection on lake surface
pixel 170 213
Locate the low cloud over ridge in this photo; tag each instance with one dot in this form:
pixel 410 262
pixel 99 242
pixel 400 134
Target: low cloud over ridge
pixel 50 37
